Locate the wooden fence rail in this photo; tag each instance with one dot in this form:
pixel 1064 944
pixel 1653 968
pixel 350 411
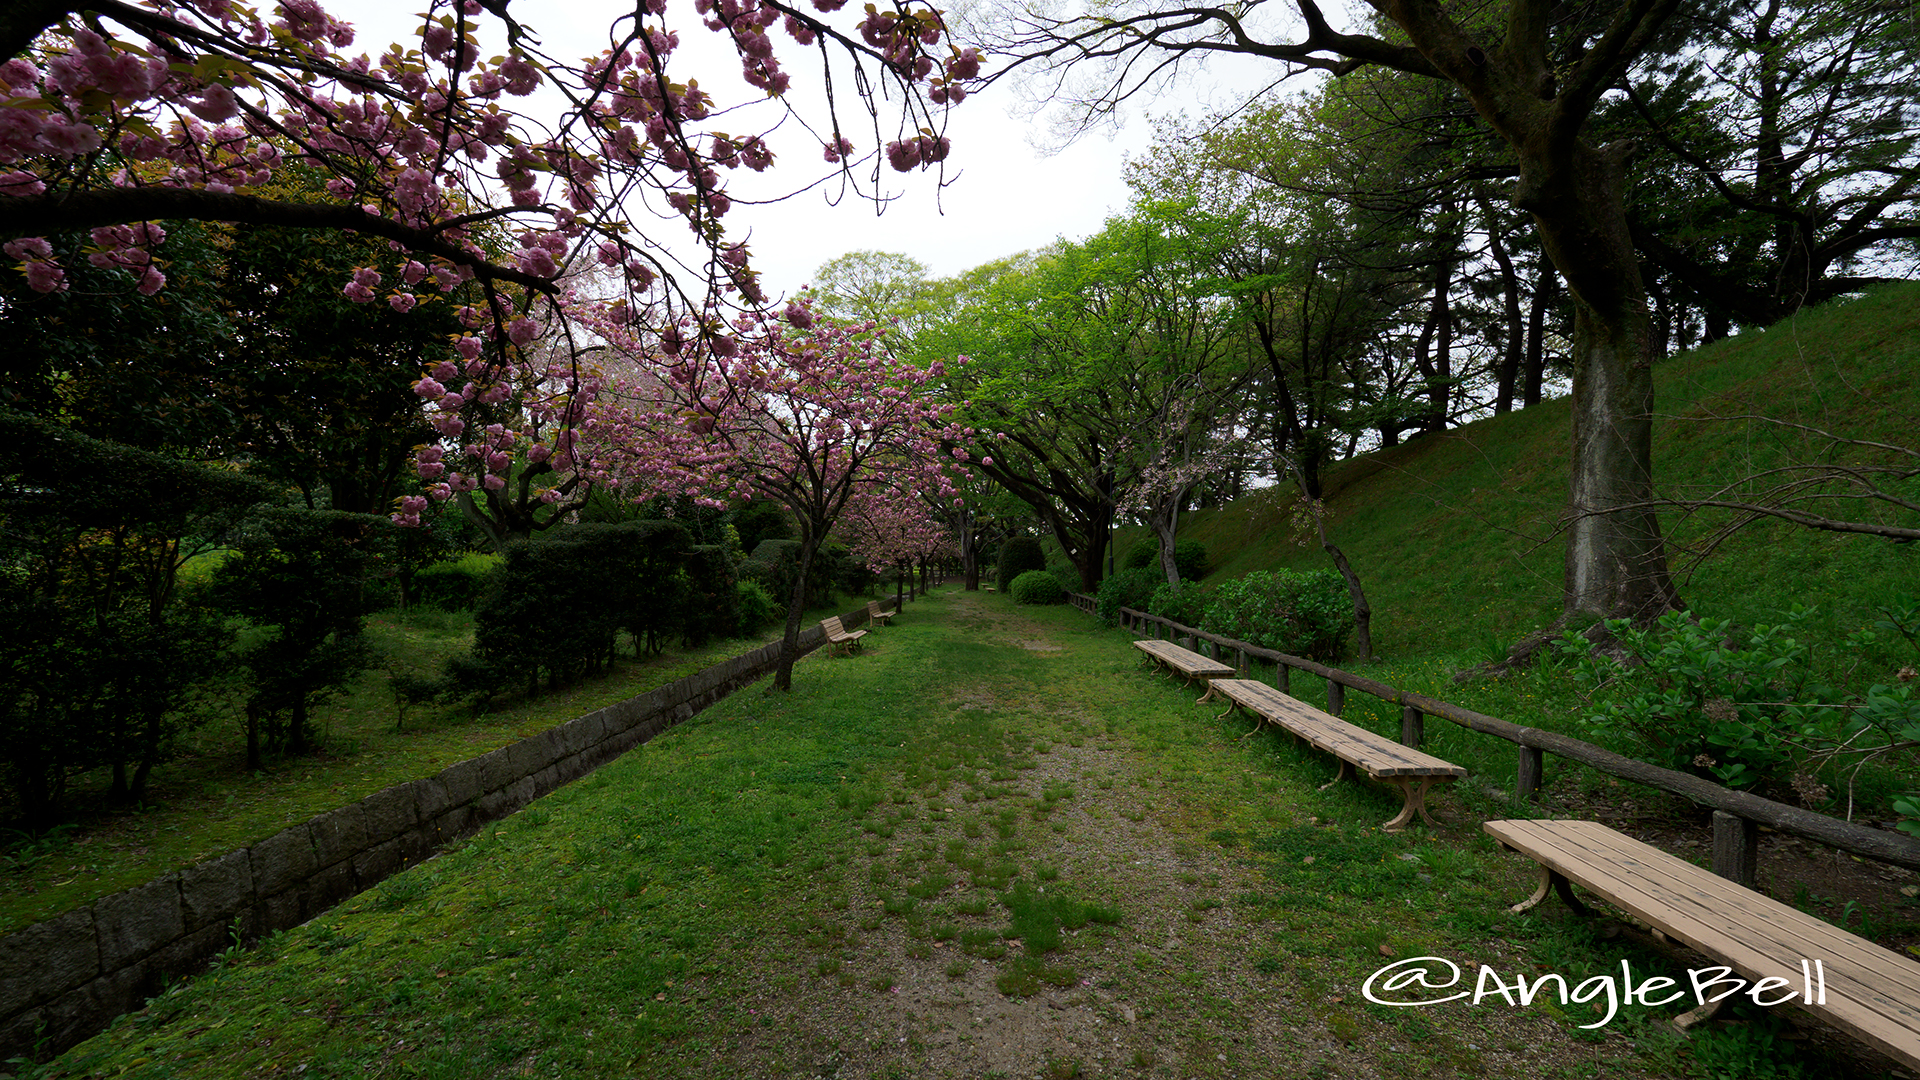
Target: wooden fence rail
pixel 1737 814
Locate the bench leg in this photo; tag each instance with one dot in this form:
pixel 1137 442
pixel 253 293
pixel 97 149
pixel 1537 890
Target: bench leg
pixel 1415 790
pixel 1550 879
pixel 1208 696
pixel 1693 1016
pixel 1337 777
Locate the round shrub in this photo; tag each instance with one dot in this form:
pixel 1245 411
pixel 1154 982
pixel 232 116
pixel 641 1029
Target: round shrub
pixel 1129 588
pixel 1185 602
pixel 1017 556
pixel 1038 587
pixel 1306 614
pixel 1189 558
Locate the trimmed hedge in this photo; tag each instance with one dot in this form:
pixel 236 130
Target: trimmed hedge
pixel 1129 588
pixel 1190 558
pixel 455 584
pixel 1037 587
pixel 1017 556
pixel 1306 614
pixel 560 601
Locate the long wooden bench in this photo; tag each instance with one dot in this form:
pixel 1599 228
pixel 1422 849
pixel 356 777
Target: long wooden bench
pixel 1184 661
pixel 877 614
pixel 837 634
pixel 1867 991
pixel 1412 771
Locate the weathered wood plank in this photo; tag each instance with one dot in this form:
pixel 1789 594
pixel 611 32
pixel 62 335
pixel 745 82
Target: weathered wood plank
pixel 1872 992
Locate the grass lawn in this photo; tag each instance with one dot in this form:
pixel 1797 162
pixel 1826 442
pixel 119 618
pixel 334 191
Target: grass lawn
pixel 991 844
pixel 204 803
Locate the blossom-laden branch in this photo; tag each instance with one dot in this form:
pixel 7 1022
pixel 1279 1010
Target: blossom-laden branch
pixel 115 113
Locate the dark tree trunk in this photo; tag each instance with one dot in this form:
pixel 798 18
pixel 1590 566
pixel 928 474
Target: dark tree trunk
pixel 1512 354
pixel 1546 294
pixel 297 727
pixel 255 761
pixel 1616 563
pixel 796 606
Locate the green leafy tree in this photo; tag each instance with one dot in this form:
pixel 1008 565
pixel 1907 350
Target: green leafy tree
pixel 1535 76
pixel 104 655
pixel 1088 363
pixel 301 578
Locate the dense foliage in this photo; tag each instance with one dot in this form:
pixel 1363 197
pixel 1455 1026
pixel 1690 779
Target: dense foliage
pixel 455 584
pixel 1037 587
pixel 1741 706
pixel 1185 602
pixel 1132 588
pixel 104 653
pixel 559 602
pixel 1304 614
pixel 301 578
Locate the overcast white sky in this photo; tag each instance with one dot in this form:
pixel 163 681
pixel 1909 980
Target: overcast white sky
pixel 1005 196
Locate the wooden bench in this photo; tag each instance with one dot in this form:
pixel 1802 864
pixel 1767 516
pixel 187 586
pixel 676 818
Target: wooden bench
pixel 1867 991
pixel 837 634
pixel 877 614
pixel 1185 661
pixel 1412 771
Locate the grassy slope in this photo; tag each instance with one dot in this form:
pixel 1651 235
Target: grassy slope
pixel 1453 535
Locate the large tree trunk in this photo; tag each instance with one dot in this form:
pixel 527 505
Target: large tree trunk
pixel 1616 562
pixel 796 606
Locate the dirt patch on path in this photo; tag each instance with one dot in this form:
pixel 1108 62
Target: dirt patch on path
pixel 1190 982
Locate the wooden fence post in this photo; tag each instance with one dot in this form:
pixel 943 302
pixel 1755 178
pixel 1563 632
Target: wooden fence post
pixel 1736 847
pixel 1526 786
pixel 1413 726
pixel 1336 697
pixel 1282 675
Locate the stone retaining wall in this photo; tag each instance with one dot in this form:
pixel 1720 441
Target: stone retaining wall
pixel 67 978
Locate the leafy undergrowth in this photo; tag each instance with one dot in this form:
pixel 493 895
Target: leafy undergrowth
pixel 205 803
pixel 989 844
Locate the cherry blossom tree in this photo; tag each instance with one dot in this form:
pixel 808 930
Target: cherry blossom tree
pixel 893 529
pixel 807 412
pixel 116 115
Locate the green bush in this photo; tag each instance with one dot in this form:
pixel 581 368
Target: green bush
pixel 775 563
pixel 1190 558
pixel 1037 587
pixel 1306 614
pixel 756 608
pixel 1129 588
pixel 455 584
pixel 1184 602
pixel 559 602
pixel 1017 556
pixel 1697 700
pixel 710 595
